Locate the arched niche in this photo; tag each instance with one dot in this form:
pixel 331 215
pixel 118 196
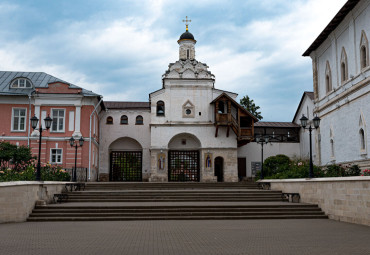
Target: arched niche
pixel 125 144
pixel 184 141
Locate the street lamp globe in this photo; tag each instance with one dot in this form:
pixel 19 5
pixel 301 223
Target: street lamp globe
pixel 71 141
pixel 48 121
pixel 34 121
pixel 81 141
pixel 304 120
pixel 316 122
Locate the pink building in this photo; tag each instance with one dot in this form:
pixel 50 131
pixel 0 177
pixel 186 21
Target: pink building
pixel 73 109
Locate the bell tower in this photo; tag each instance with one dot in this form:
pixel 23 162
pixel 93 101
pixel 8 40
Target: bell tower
pixel 186 43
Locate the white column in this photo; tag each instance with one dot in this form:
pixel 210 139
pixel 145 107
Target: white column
pixel 78 121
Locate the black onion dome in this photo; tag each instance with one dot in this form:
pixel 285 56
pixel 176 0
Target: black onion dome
pixel 187 36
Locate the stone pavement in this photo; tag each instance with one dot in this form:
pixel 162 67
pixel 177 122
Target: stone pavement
pixel 185 237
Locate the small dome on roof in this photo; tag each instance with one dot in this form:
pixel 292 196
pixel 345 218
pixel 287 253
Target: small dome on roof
pixel 187 36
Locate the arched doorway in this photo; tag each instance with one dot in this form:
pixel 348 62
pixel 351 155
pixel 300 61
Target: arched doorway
pixel 125 160
pixel 219 169
pixel 183 158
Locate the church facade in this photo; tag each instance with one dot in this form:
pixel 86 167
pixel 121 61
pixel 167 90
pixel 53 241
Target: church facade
pixel 188 131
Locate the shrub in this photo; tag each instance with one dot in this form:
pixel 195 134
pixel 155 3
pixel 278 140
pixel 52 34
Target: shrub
pixel 342 171
pixel 366 172
pixel 48 173
pixel 276 164
pixel 13 156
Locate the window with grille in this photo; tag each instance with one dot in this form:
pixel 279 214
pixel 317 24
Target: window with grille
pixel 124 120
pixel 58 116
pixel 56 156
pixel 139 120
pixel 109 120
pixel 19 119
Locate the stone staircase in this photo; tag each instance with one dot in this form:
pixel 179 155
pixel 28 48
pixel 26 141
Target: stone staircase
pixel 173 201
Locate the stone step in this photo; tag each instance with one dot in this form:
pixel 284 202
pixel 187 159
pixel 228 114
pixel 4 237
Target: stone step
pixel 167 207
pixel 180 196
pixel 192 199
pixel 134 218
pixel 109 210
pixel 139 192
pixel 179 213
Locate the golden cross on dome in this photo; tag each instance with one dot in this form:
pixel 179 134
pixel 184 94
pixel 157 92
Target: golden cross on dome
pixel 186 20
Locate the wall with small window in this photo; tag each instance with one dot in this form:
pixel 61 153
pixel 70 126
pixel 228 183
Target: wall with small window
pixel 133 124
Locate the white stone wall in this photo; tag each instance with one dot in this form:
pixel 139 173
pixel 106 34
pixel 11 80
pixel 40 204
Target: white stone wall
pixel 341 108
pixel 306 108
pixel 342 198
pixel 111 133
pixel 252 152
pixel 17 199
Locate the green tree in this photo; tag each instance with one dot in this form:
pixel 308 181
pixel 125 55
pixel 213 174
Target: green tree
pixel 250 106
pixel 12 155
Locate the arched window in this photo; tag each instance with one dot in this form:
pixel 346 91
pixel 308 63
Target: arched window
pixel 109 120
pixel 364 50
pixel 160 108
pixel 332 148
pixel 343 66
pixel 187 53
pixel 139 120
pixel 21 83
pixel 362 140
pixel 124 120
pixel 328 83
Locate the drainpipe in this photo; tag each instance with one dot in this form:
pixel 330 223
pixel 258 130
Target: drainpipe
pixel 30 116
pixel 101 99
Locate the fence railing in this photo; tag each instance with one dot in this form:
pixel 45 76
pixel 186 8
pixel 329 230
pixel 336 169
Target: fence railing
pixel 81 174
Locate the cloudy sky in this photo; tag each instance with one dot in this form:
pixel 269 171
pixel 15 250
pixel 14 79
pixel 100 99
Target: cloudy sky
pixel 120 49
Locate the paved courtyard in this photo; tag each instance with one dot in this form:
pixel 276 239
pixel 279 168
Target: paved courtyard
pixel 186 237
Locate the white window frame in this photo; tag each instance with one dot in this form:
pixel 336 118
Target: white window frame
pixel 12 85
pixel 64 121
pixel 25 120
pixel 61 156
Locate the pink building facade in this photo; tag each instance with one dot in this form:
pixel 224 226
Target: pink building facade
pixel 74 111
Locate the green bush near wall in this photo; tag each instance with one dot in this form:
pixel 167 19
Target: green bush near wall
pixel 18 164
pixel 282 167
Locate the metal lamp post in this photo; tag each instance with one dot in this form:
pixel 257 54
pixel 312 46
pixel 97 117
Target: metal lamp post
pixel 316 124
pixel 34 121
pixel 262 140
pixel 73 144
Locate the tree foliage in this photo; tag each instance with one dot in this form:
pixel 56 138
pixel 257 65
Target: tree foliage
pixel 12 155
pixel 250 106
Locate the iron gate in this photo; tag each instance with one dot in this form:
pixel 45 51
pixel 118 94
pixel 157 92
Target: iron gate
pixel 126 166
pixel 183 166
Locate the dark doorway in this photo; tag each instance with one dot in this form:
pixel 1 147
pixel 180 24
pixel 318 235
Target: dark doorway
pixel 219 169
pixel 125 166
pixel 183 166
pixel 242 168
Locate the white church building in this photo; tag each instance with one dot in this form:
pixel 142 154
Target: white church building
pixel 341 82
pixel 188 131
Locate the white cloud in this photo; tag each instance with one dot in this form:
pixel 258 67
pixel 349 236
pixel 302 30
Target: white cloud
pixel 134 50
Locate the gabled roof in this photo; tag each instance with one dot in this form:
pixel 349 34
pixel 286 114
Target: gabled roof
pixel 236 103
pixel 310 95
pixel 270 124
pixel 38 79
pixel 333 24
pixel 127 105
